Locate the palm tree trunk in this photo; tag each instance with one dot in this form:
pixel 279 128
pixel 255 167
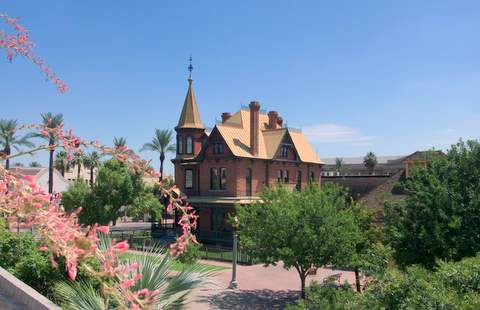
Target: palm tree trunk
pixel 91 176
pixel 50 172
pixel 78 171
pixel 162 158
pixel 7 152
pixel 63 170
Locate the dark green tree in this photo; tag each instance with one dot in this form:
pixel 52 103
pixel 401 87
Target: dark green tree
pixel 9 139
pixel 51 121
pixel 161 143
pixel 440 217
pixel 370 161
pixel 308 229
pixel 61 162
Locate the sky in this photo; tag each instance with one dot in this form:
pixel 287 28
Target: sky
pixel 390 77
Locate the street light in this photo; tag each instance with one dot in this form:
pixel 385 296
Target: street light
pixel 234 283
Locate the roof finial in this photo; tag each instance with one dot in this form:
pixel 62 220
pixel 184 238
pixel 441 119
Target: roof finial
pixel 190 69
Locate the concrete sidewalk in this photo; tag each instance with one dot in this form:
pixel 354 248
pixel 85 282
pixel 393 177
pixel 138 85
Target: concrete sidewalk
pixel 260 287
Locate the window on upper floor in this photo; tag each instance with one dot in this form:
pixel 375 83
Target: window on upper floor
pixel 189 145
pixel 218 148
pixel 179 145
pixel 248 182
pixel 188 178
pixel 284 151
pixel 213 178
pixel 223 178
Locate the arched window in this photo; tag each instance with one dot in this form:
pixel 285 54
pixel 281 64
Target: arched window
pixel 189 145
pixel 179 145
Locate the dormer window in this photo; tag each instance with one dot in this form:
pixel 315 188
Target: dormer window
pixel 179 145
pixel 218 148
pixel 189 145
pixel 284 151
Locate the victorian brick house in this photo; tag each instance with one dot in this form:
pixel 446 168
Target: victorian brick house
pixel 232 163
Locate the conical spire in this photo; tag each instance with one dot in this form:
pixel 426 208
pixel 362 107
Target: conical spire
pixel 190 117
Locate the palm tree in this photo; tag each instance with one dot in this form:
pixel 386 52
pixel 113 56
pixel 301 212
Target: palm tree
pixel 339 165
pixel 61 162
pixel 51 121
pixel 370 161
pixel 92 161
pixel 155 266
pixel 119 142
pixel 34 164
pixel 161 143
pixel 9 140
pixel 77 160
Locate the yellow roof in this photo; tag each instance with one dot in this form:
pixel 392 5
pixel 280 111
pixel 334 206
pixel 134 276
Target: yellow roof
pixel 236 133
pixel 190 117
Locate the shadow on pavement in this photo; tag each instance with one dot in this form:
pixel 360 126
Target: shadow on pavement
pixel 253 299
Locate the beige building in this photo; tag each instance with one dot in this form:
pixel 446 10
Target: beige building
pixel 71 174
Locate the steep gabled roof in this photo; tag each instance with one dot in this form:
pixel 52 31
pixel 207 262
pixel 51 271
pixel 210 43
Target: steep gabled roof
pixel 236 133
pixel 190 117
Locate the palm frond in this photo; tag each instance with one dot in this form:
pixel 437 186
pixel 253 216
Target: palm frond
pixel 80 296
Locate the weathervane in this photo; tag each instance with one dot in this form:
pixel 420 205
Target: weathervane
pixel 190 68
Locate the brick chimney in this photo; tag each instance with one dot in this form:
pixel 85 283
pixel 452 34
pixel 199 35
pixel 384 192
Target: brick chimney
pixel 280 121
pixel 225 116
pixel 254 126
pixel 272 119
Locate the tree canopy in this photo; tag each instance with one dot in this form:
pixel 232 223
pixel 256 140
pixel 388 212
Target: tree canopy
pixel 305 230
pixel 440 216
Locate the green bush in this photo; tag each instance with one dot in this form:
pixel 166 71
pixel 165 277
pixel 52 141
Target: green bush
pixel 325 297
pixel 192 254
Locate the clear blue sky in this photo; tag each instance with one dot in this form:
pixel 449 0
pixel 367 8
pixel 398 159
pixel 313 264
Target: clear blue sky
pixel 388 76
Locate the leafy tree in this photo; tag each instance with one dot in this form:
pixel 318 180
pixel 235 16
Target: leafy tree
pixel 145 203
pixel 367 244
pixel 339 165
pixel 92 161
pixel 440 216
pixel 9 140
pixel 325 297
pixel 50 121
pixel 305 230
pixel 370 161
pixel 61 162
pixel 161 143
pixel 78 195
pixel 34 164
pixel 114 188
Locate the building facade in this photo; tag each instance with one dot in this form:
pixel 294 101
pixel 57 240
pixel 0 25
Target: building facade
pixel 234 161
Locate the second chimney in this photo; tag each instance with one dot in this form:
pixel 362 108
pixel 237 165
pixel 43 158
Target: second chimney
pixel 272 119
pixel 225 116
pixel 254 124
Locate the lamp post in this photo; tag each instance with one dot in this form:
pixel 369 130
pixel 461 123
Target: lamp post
pixel 234 283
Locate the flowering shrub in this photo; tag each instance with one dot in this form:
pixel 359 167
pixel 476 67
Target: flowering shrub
pixel 60 232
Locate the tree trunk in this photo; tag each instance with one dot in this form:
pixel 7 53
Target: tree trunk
pixel 7 151
pixel 91 176
pixel 50 171
pixel 302 280
pixel 303 275
pixel 357 280
pixel 162 158
pixel 63 170
pixel 78 171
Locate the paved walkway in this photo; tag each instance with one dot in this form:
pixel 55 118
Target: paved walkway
pixel 259 287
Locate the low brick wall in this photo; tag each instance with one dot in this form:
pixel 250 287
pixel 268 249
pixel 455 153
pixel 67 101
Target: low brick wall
pixel 22 296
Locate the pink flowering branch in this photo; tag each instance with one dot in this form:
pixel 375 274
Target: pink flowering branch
pixel 18 43
pixel 60 232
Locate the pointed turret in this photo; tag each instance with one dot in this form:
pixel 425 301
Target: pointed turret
pixel 190 117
